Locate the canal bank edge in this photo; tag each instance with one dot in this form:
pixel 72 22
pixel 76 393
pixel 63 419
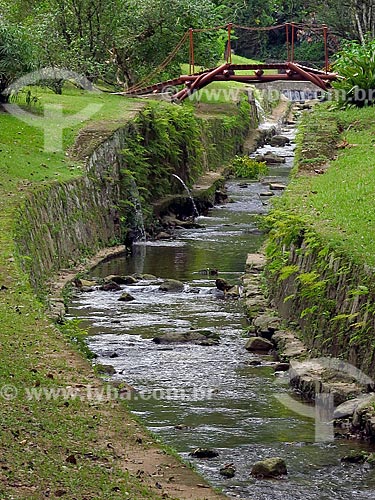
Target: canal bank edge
pixel 57 227
pixel 326 296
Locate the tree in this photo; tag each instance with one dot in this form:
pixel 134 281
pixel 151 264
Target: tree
pixel 149 30
pixel 349 19
pixel 16 56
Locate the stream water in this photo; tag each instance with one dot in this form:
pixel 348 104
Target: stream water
pixel 213 396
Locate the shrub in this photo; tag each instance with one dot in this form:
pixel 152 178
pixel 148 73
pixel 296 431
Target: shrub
pixel 355 63
pixel 244 166
pixel 16 56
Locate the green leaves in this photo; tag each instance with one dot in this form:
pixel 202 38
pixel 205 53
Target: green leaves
pixel 246 167
pixel 355 63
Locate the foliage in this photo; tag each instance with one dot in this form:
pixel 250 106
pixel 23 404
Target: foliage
pixel 150 29
pixel 16 56
pixel 355 62
pixel 163 140
pixel 310 52
pixel 244 166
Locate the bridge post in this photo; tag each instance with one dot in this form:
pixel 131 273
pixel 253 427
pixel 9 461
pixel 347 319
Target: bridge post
pixel 287 41
pixel 325 34
pixel 191 52
pixel 229 47
pixel 292 55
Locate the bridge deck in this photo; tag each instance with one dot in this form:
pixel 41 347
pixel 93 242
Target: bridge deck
pixel 227 72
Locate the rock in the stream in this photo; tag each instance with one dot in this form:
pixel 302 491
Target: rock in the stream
pixel 282 367
pixel 228 471
pixel 199 337
pixel 355 457
pixel 126 297
pixel 146 277
pixel 163 236
pixel 279 140
pixel 268 468
pixel 266 194
pixel 256 344
pixel 266 324
pixel 171 286
pixel 348 408
pixel 270 158
pixel 204 453
pixel 328 375
pixel 121 280
pixel 111 286
pixel 277 187
pixel 288 345
pixel 79 283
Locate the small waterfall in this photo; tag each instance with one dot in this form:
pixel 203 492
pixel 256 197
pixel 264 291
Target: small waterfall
pixel 261 113
pixel 205 161
pixel 195 210
pixel 138 221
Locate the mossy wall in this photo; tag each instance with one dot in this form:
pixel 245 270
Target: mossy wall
pixel 60 223
pixel 330 297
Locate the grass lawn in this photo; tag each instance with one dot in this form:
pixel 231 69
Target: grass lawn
pixel 340 203
pixel 22 155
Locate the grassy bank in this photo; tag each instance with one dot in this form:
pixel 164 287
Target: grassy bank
pixel 334 182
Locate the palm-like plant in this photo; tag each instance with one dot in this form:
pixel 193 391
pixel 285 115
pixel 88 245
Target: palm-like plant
pixel 355 63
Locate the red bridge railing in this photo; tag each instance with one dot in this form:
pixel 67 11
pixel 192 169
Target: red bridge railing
pixel 194 81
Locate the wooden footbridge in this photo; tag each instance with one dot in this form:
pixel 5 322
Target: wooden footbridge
pixel 244 73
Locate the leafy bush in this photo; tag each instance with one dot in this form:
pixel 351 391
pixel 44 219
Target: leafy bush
pixel 16 56
pixel 355 62
pixel 310 52
pixel 244 166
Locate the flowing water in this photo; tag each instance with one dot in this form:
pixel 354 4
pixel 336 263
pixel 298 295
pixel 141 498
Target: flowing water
pixel 213 396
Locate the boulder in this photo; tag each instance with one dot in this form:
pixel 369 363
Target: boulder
pixel 266 194
pixel 126 297
pixel 270 467
pixel 120 280
pixel 228 471
pixel 204 453
pixel 279 140
pixel 171 286
pixel 348 408
pixel 111 286
pixel 147 277
pixel 270 158
pixel 258 344
pixel 275 186
pixel 288 345
pixel 163 236
pixel 82 282
pixel 282 367
pixel 199 337
pixel 266 324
